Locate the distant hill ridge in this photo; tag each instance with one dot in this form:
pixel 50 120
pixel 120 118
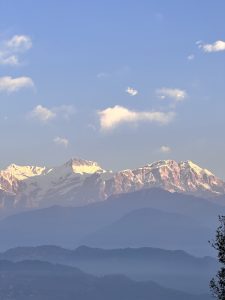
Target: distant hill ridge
pixel 52 281
pixel 52 253
pixel 171 269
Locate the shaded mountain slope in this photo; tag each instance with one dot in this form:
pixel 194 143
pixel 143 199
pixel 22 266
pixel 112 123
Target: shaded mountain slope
pixel 67 226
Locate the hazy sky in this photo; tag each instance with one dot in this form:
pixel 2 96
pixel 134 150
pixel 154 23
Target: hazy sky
pixel 124 83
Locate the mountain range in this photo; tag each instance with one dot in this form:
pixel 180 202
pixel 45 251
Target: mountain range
pixel 129 214
pixel 79 182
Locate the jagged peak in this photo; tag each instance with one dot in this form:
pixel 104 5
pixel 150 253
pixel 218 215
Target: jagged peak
pixel 15 166
pixel 188 165
pixel 191 165
pixel 161 163
pixel 80 161
pixel 165 162
pixel 81 166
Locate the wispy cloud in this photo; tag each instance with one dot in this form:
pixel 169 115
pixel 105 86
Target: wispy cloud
pixel 65 111
pixel 191 57
pixel 19 43
pixel 10 85
pixel 132 91
pixel 112 117
pixel 12 48
pixel 61 141
pixel 92 127
pixel 165 149
pixel 176 94
pixel 102 75
pixel 44 114
pixel 11 60
pixel 214 47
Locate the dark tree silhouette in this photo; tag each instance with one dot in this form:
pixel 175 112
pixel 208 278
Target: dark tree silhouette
pixel 217 284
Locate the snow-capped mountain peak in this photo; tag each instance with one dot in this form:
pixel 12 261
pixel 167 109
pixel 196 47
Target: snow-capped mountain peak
pixel 192 166
pixel 14 174
pixel 79 181
pixel 82 166
pixel 184 177
pixel 24 172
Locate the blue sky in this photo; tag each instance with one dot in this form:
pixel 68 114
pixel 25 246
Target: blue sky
pixel 124 83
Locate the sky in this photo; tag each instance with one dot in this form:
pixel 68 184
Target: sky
pixel 124 83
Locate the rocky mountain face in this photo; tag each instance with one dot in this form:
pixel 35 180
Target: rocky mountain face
pixel 184 177
pixel 79 182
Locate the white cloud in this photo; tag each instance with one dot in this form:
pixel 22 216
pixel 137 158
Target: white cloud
pixel 111 117
pixel 19 43
pixel 131 91
pixel 176 94
pixel 165 149
pixel 61 141
pixel 10 85
pixel 215 47
pixel 191 57
pixel 12 48
pixel 42 114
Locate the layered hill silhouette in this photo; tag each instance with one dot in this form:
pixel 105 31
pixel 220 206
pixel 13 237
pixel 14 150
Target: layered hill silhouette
pixel 37 280
pixel 171 269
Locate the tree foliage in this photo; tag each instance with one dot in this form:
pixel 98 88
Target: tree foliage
pixel 217 284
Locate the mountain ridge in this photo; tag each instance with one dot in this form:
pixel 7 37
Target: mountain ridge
pixel 79 182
